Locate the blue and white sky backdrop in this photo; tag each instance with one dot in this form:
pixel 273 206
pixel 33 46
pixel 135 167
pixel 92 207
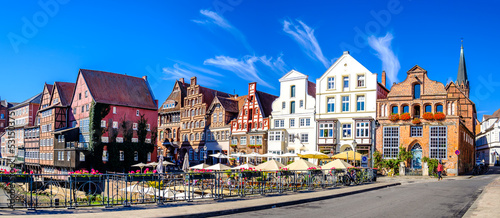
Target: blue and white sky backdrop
pixel 229 43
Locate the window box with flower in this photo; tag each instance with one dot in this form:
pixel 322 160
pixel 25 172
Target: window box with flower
pixel 416 121
pixel 405 116
pixel 145 176
pixel 439 116
pixel 314 171
pixel 200 174
pixel 85 176
pixel 428 116
pixel 250 173
pixel 394 117
pixel 15 176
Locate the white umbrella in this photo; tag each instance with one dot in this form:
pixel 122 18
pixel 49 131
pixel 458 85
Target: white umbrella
pixel 200 166
pixel 140 165
pixel 237 154
pixel 219 156
pixel 288 155
pixel 167 163
pixel 152 164
pixel 218 167
pixel 244 166
pixel 159 168
pixel 185 165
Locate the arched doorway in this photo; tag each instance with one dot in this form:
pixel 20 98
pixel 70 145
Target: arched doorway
pixel 416 161
pixel 345 147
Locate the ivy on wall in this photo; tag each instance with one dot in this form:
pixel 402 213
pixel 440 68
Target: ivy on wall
pixel 97 112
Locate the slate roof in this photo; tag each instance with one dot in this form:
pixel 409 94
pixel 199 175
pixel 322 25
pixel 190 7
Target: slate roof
pixel 50 88
pixel 209 94
pixel 118 89
pixel 462 70
pixel 65 92
pixel 266 102
pixel 35 99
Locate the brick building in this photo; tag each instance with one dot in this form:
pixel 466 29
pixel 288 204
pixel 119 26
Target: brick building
pixel 195 120
pixel 249 130
pixel 169 121
pixel 446 121
pixel 4 114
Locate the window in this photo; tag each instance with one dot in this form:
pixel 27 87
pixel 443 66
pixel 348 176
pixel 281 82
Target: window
pixel 305 121
pixel 258 140
pixel 291 137
pixel 361 80
pixel 428 108
pixel 148 126
pixel 68 156
pixel 437 145
pixel 243 140
pixel 279 123
pixel 346 82
pixel 301 103
pixel 220 116
pixel 82 157
pixel 137 113
pixel 360 103
pixel 391 142
pixel 395 110
pixel 2 116
pixel 103 124
pixel 326 130
pixel 86 94
pixel 234 140
pixel 122 156
pixel 292 107
pixel 149 156
pixel 283 105
pixel 87 107
pixel 331 83
pixel 416 111
pixel 331 104
pixel 292 91
pixel 292 122
pixel 416 131
pixel 439 108
pixel 345 103
pixel 79 96
pixel 134 126
pixel 114 110
pixel 416 91
pixel 197 136
pixel 215 118
pixel 136 156
pixel 83 109
pixel 115 125
pixel 362 129
pixel 304 137
pixel 346 130
pixel 406 109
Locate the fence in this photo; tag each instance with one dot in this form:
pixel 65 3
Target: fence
pixel 69 191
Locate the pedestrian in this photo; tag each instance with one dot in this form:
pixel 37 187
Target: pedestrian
pixel 440 170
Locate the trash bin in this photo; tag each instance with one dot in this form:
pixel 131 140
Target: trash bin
pixel 374 175
pixel 56 202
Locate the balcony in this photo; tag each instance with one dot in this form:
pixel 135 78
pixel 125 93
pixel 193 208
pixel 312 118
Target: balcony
pixel 80 145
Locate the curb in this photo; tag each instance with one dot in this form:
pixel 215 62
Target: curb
pixel 282 204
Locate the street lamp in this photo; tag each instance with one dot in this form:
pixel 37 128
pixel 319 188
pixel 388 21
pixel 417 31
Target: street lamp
pixel 205 154
pixel 354 144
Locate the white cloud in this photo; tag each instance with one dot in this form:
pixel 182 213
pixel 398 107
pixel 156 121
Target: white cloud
pixel 246 68
pixel 304 35
pixel 390 62
pixel 188 71
pixel 212 18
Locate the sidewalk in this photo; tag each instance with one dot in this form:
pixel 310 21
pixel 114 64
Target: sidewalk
pixel 488 203
pixel 404 180
pixel 227 206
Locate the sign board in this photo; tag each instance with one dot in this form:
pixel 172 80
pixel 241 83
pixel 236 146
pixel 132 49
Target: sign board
pixel 457 152
pixel 364 159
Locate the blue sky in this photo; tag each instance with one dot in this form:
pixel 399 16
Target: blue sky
pixel 229 43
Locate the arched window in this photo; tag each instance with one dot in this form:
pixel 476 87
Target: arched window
pixel 406 109
pixel 174 134
pixel 192 137
pixel 220 116
pixel 192 113
pixel 292 91
pixel 202 124
pixel 202 136
pixel 395 110
pixel 416 111
pixel 428 108
pixel 215 117
pixel 197 124
pixel 416 91
pixel 197 136
pixel 439 108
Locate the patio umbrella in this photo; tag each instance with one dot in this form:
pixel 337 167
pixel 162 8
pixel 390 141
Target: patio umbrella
pixel 337 164
pixel 152 164
pixel 288 155
pixel 301 164
pixel 218 167
pixel 347 155
pixel 140 165
pixel 271 165
pixel 244 166
pixel 199 166
pixel 185 165
pixel 219 156
pixel 159 167
pixel 237 154
pixel 313 154
pixel 167 163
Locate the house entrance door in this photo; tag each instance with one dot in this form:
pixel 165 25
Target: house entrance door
pixel 416 161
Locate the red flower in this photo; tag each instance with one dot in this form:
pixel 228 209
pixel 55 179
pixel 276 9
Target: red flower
pixel 439 116
pixel 428 116
pixel 394 117
pixel 405 116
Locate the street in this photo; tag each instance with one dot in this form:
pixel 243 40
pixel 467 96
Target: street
pixel 448 198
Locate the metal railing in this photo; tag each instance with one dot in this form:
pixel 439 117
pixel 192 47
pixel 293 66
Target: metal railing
pixel 33 191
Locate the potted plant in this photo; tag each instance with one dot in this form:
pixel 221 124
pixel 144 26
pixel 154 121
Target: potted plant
pixel 416 121
pixel 439 116
pixel 15 176
pixel 314 171
pixel 257 146
pixel 250 173
pixel 283 171
pixel 233 146
pixel 138 176
pixel 201 174
pixel 405 116
pixel 428 116
pixel 394 117
pixel 85 175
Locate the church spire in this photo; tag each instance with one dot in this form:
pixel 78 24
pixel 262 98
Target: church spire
pixel 462 80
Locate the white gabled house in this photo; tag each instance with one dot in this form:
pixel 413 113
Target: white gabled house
pixel 293 128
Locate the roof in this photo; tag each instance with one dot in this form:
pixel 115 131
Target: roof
pixel 35 100
pixel 462 70
pixel 176 96
pixel 229 104
pixel 311 89
pixel 65 90
pixel 7 104
pixel 50 88
pixel 118 89
pixel 494 115
pixel 266 102
pixel 209 94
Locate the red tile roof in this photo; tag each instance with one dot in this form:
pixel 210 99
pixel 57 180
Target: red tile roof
pixel 65 92
pixel 311 89
pixel 119 89
pixel 266 102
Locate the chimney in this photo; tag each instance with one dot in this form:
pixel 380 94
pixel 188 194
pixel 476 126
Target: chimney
pixel 145 78
pixel 383 78
pixel 181 80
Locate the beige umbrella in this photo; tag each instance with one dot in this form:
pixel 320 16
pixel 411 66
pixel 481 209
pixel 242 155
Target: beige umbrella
pixel 165 163
pixel 301 164
pixel 200 166
pixel 271 165
pixel 313 154
pixel 337 164
pixel 218 167
pixel 244 166
pixel 152 164
pixel 140 165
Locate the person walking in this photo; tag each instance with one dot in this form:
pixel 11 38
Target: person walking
pixel 440 170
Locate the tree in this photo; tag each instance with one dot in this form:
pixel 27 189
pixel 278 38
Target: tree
pixel 142 129
pixel 97 112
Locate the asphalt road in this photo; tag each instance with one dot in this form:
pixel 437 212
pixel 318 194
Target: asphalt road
pixel 449 198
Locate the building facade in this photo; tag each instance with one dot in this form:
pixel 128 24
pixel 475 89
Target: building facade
pixel 346 97
pixel 293 127
pixel 169 121
pixel 488 139
pixel 249 129
pixel 32 149
pixel 428 119
pixel 4 114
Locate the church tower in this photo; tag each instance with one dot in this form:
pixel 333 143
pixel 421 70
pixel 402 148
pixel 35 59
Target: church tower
pixel 462 81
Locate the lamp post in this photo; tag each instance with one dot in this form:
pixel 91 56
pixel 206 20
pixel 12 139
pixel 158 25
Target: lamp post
pixel 354 144
pixel 205 154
